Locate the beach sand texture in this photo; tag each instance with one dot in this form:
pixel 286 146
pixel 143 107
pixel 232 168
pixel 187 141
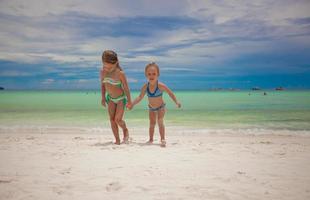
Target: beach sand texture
pixel 196 164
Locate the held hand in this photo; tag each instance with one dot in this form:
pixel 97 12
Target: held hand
pixel 103 103
pixel 178 105
pixel 129 106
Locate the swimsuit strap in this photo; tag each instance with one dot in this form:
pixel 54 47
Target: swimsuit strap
pixel 156 93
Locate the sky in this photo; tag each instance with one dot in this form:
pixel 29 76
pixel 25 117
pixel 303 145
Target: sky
pixel 198 44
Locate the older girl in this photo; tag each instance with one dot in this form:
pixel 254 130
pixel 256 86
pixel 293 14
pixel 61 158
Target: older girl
pixel 115 93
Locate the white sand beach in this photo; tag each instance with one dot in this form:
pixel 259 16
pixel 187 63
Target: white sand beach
pixel 55 163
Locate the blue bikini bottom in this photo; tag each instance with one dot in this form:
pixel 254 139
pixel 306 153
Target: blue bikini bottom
pixel 158 108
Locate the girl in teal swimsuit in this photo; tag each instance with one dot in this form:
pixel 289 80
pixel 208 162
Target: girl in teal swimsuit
pixel 115 93
pixel 154 91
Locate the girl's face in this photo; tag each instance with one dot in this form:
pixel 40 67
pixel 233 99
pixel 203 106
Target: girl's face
pixel 109 67
pixel 151 74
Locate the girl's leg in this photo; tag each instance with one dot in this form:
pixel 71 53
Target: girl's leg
pixel 161 126
pixel 152 117
pixel 120 109
pixel 112 110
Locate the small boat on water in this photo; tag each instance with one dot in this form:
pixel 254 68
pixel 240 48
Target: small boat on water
pixel 279 88
pixel 255 88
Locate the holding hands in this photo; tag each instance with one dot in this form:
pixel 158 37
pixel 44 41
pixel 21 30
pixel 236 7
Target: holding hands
pixel 129 105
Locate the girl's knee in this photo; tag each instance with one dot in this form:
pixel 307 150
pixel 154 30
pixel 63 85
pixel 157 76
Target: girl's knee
pixel 118 120
pixel 152 123
pixel 161 123
pixel 160 120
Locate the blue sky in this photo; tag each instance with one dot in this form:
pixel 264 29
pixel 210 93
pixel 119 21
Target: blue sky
pixel 197 44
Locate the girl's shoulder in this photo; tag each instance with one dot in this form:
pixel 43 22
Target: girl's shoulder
pixel 161 85
pixel 120 72
pixel 145 85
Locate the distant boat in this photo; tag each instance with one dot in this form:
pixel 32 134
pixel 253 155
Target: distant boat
pixel 255 88
pixel 234 89
pixel 215 89
pixel 1 88
pixel 279 88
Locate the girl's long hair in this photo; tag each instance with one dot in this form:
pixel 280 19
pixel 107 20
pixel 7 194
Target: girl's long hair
pixel 110 56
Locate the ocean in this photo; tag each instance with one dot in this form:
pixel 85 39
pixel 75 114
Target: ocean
pixel 287 110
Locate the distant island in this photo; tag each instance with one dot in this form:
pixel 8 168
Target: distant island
pixel 256 88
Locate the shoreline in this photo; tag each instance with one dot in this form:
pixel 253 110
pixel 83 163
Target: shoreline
pixel 173 130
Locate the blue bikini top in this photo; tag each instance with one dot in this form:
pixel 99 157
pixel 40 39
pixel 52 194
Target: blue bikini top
pixel 157 92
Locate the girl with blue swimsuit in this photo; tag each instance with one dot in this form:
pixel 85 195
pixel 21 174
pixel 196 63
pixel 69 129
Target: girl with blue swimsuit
pixel 154 91
pixel 115 93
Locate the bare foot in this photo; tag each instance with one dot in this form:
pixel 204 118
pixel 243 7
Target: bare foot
pixel 117 142
pixel 125 140
pixel 126 137
pixel 163 143
pixel 149 142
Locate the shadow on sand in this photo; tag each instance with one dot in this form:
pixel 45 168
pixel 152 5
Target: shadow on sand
pixel 130 143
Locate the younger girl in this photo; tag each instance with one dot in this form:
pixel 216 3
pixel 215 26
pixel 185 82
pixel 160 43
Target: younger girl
pixel 113 81
pixel 154 90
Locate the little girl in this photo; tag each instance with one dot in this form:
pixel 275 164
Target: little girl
pixel 113 80
pixel 154 90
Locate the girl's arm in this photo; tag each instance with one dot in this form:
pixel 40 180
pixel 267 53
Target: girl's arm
pixel 103 100
pixel 170 93
pixel 140 97
pixel 125 86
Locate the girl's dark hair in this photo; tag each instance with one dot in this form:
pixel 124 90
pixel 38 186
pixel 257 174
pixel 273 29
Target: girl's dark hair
pixel 152 64
pixel 110 56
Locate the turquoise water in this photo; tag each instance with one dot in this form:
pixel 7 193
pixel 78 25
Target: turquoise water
pixel 205 109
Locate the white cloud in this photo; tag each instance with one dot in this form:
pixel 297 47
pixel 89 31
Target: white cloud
pixel 271 12
pixel 106 8
pixel 32 31
pixel 132 80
